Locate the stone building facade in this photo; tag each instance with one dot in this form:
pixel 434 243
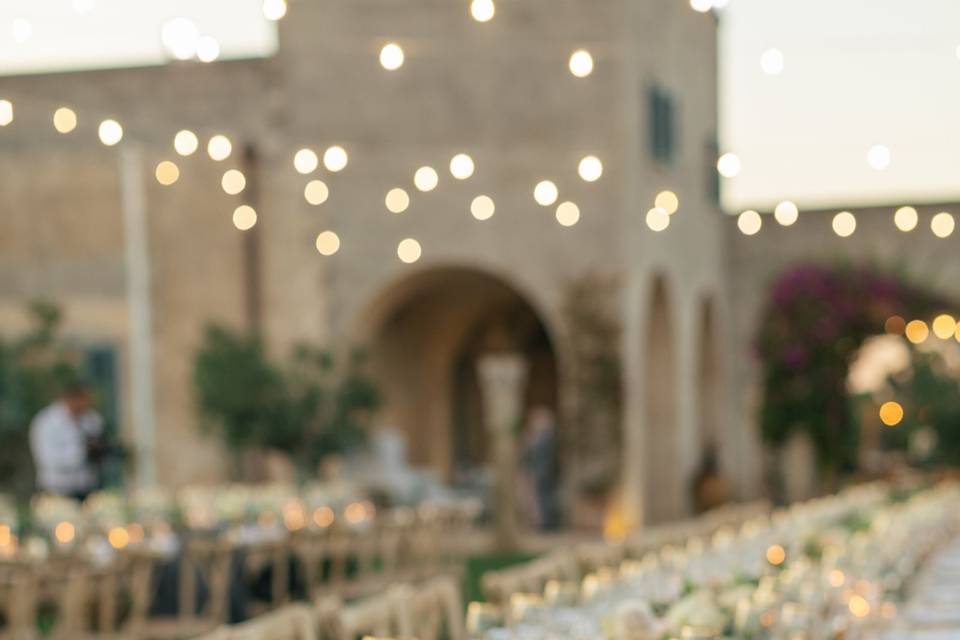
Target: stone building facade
pixel 687 297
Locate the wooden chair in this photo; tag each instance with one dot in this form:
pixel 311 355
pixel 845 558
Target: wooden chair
pixel 377 616
pixel 292 622
pixel 433 611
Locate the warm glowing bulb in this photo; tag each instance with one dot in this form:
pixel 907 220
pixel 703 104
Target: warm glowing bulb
pixel 391 56
pixel 776 555
pixel 219 148
pixel 482 208
pixel 942 225
pixel 397 200
pixel 180 37
pixel 895 325
pixel 482 10
pixel 668 201
pixel 944 326
pixel 208 49
pixel 233 182
pixel 328 243
pixel 409 250
pixel 917 331
pixel 335 158
pixel 64 532
pixel 274 9
pixel 581 63
pixel 906 219
pixel 64 120
pixel 185 142
pixel 167 173
pixel 772 62
pixel 729 165
pixel 568 214
pixel 306 161
pixel 316 192
pixel 461 166
pixel 786 213
pixel 6 112
pixel 891 413
pixel 701 6
pixel 118 537
pixel 244 217
pixel 110 132
pixel 426 179
pixel 658 219
pixel 844 224
pixel 590 169
pixel 545 193
pixel 749 223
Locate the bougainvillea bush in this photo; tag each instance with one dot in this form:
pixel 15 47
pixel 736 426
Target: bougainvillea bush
pixel 815 321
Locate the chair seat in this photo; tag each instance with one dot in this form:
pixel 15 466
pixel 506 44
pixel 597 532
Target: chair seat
pixel 176 628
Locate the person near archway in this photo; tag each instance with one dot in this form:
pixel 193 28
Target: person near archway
pixel 540 463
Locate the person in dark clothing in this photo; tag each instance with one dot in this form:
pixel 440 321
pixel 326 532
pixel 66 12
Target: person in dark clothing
pixel 540 462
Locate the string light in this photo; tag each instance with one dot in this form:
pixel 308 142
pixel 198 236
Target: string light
pixel 668 201
pixel 658 219
pixel 786 213
pixel 180 37
pixel 167 173
pixel 118 537
pixel 942 225
pixel 906 219
pixel 461 166
pixel 545 193
pixel 335 158
pixel 305 161
pixel 581 63
pixel 397 200
pixel 482 208
pixel 64 532
pixel 316 192
pixel 328 243
pixel 110 132
pixel 185 142
pixel 391 56
pixel 233 182
pixel 844 224
pixel 426 179
pixel 944 326
pixel 590 169
pixel 274 9
pixel 568 214
pixel 208 49
pixel 244 217
pixel 6 112
pixel 701 6
pixel 64 120
pixel 891 413
pixel 482 10
pixel 729 165
pixel 916 331
pixel 878 157
pixel 409 250
pixel 749 222
pixel 219 148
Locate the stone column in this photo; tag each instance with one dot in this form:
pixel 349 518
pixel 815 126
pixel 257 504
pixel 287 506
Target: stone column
pixel 503 379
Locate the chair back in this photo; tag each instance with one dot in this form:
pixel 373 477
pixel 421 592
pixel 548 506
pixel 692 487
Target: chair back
pixel 293 622
pixel 433 611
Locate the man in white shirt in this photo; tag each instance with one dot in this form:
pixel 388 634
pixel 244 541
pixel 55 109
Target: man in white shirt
pixel 61 439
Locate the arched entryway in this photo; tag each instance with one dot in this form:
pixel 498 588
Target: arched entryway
pixel 708 381
pixel 664 487
pixel 426 334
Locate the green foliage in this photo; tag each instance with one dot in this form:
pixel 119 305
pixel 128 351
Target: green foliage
pixel 306 406
pixel 33 370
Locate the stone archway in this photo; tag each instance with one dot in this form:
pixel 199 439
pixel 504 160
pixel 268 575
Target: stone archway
pixel 426 335
pixel 664 488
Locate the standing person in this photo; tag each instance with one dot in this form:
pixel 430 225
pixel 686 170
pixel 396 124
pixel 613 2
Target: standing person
pixel 540 461
pixel 65 440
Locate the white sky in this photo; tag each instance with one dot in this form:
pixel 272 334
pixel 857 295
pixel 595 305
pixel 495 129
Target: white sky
pixel 857 73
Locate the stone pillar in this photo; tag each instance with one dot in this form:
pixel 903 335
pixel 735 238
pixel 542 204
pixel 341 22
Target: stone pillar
pixel 503 379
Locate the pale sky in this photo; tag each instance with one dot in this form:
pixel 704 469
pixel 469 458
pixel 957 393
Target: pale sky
pixel 856 73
